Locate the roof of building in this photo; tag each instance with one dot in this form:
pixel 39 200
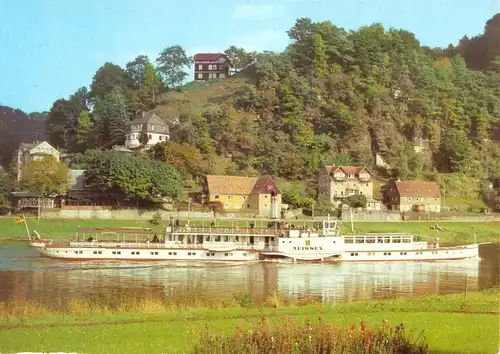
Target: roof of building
pixel 29 146
pixel 208 56
pixel 146 117
pixel 418 189
pixel 237 185
pixel 346 169
pixel 150 118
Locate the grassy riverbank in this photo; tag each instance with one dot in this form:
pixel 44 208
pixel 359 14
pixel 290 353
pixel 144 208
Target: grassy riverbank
pixel 454 232
pixel 451 324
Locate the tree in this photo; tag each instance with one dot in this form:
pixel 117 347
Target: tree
pixel 356 201
pixel 185 158
pixel 84 130
pixel 239 57
pixel 171 63
pixel 136 70
pixel 138 178
pixel 45 177
pixel 81 98
pixel 112 116
pixel 106 79
pixel 62 123
pixel 149 89
pixel 143 138
pixel 6 188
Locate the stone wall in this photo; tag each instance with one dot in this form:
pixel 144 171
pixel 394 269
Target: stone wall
pixel 132 214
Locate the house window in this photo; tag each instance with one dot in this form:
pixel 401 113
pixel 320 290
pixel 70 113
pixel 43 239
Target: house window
pixel 226 205
pixel 222 75
pixel 248 205
pixel 265 205
pixel 152 127
pixel 216 197
pixel 200 67
pixel 150 137
pixel 200 75
pixel 237 206
pixel 229 197
pixel 161 137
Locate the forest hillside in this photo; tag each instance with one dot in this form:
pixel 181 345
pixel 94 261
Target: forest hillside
pixel 333 96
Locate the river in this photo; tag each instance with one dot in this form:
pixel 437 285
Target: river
pixel 24 275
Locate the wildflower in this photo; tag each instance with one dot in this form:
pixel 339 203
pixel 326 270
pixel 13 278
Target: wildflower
pixel 363 325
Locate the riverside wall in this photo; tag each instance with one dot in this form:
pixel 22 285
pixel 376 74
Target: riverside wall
pixel 369 216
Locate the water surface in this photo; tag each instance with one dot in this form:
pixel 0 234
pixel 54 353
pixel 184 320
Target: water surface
pixel 24 275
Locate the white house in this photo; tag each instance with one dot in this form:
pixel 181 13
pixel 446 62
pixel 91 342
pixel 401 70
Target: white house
pixel 147 123
pixel 30 152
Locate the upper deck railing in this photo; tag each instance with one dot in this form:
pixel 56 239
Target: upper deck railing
pixel 227 231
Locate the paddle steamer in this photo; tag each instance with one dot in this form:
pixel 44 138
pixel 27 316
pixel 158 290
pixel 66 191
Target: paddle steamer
pixel 237 244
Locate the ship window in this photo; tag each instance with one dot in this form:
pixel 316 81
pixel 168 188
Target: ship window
pixel 212 254
pixel 175 253
pixel 396 240
pixel 244 254
pixel 402 253
pixel 95 252
pixel 113 252
pixel 354 254
pixel 406 239
pixel 81 252
pixel 76 252
pixel 208 253
pixel 360 240
pixel 169 253
pixel 387 253
pixel 226 254
pixel 194 253
pixel 348 240
pixel 387 240
pixel 370 240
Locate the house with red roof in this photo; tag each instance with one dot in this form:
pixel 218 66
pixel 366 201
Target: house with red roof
pixel 209 66
pixel 339 182
pixel 413 196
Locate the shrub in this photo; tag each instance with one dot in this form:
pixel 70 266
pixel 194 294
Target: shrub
pixel 156 220
pixel 320 337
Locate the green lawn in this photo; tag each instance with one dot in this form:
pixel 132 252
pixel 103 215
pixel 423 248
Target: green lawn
pixel 449 324
pixel 455 232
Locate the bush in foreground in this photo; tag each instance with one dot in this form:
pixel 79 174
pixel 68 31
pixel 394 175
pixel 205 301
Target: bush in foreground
pixel 288 337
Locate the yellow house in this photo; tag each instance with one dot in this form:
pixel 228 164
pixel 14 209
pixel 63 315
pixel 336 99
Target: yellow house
pixel 254 195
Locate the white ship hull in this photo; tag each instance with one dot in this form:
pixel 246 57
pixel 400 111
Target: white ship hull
pixel 424 255
pixel 146 254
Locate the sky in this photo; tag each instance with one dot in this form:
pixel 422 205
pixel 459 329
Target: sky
pixel 50 48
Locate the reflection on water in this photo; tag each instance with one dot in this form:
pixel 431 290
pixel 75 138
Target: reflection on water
pixel 23 275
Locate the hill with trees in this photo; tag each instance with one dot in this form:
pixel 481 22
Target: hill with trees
pixel 334 95
pixel 17 127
